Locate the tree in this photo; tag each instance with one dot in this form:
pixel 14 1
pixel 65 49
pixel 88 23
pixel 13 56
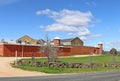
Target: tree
pixel 113 51
pixel 49 50
pixel 32 58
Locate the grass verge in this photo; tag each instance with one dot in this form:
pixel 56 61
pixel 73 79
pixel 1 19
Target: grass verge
pixel 55 70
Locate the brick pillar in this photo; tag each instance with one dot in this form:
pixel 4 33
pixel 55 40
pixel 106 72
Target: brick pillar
pixel 100 46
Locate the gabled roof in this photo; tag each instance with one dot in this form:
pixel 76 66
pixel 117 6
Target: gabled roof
pixel 40 41
pixel 67 40
pixel 26 36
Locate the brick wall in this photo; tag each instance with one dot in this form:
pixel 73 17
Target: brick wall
pixel 1 50
pixel 27 50
pixel 22 50
pixel 64 51
pixel 83 50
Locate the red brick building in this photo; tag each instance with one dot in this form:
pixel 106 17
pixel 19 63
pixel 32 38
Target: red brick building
pixel 71 47
pixel 26 50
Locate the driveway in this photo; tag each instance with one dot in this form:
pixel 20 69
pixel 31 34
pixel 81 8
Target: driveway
pixel 7 71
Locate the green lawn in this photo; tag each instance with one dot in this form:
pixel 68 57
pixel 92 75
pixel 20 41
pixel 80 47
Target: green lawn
pixel 95 59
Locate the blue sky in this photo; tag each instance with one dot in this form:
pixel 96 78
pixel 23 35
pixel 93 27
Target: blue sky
pixel 92 20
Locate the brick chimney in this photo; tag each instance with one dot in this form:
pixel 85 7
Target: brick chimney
pixel 56 41
pixel 100 46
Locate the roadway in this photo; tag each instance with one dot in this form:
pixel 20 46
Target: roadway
pixel 102 76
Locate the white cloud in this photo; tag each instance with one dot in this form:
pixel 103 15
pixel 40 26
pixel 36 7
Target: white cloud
pixel 92 3
pixel 113 44
pixel 70 33
pixel 83 38
pixel 74 18
pixel 90 37
pixel 83 31
pixel 71 21
pixel 68 17
pixel 60 28
pixel 5 2
pixel 96 35
pixel 41 27
pixel 47 11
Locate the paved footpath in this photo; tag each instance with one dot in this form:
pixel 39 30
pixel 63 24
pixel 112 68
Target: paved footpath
pixel 7 71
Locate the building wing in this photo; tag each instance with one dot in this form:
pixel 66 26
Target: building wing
pixel 72 42
pixel 27 40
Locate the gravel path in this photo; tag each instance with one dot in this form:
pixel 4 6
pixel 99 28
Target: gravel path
pixel 7 71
